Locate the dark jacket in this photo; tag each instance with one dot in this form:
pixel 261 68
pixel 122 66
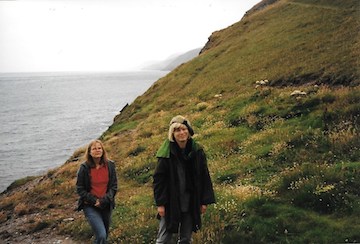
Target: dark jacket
pixel 166 188
pixel 83 187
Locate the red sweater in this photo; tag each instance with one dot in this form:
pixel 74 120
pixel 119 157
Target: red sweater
pixel 99 181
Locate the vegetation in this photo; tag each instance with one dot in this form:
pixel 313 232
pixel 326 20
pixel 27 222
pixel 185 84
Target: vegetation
pixel 285 167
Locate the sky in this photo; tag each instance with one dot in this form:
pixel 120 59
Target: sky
pixel 97 35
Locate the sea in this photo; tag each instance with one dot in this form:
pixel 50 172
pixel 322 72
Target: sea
pixel 45 117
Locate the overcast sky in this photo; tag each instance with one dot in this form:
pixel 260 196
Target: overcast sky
pixel 106 35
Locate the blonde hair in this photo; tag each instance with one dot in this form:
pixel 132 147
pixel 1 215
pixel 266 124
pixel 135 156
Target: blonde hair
pixel 89 159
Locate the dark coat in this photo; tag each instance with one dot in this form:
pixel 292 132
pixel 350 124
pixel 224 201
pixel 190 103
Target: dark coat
pixel 83 187
pixel 166 189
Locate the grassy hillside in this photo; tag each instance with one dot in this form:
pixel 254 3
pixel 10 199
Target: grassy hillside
pixel 285 167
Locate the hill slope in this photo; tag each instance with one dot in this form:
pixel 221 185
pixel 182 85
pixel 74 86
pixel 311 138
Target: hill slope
pixel 173 61
pixel 275 100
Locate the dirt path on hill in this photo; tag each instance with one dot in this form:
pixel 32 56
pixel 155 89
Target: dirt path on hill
pixel 13 233
pixel 38 226
pixel 16 231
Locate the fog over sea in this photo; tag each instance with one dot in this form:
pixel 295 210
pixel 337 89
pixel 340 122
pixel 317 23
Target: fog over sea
pixel 45 117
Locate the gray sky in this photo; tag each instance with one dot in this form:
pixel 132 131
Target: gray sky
pixel 106 35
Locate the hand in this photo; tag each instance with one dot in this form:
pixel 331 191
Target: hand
pixel 203 209
pixel 161 211
pixel 97 203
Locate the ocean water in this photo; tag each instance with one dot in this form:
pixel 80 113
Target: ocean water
pixel 45 117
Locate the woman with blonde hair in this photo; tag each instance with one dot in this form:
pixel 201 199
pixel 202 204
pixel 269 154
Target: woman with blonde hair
pixel 97 186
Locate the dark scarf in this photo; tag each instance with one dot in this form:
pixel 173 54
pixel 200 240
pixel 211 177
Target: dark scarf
pixel 186 158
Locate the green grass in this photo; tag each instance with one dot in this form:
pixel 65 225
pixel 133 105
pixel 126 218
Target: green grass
pixel 116 128
pixel 253 137
pixel 300 153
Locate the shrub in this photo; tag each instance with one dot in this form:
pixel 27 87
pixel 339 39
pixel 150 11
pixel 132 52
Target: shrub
pixel 21 209
pixel 38 226
pixel 266 220
pixel 227 176
pixel 345 141
pixel 80 229
pixel 201 106
pixel 328 98
pixel 141 171
pixel 323 188
pixel 136 151
pixel 3 217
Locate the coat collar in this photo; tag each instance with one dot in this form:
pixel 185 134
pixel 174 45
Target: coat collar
pixel 165 148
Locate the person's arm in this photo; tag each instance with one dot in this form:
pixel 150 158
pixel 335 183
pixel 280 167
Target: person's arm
pixel 160 185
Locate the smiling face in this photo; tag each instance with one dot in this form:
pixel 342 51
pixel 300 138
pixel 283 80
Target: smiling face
pixel 96 151
pixel 181 134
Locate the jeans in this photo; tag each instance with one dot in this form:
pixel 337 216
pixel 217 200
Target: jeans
pixel 164 236
pixel 99 220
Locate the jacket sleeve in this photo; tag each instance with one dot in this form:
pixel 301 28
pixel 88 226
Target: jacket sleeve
pixel 112 188
pixel 81 187
pixel 160 182
pixel 207 191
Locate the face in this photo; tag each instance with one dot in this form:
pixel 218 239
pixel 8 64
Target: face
pixel 96 150
pixel 181 134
